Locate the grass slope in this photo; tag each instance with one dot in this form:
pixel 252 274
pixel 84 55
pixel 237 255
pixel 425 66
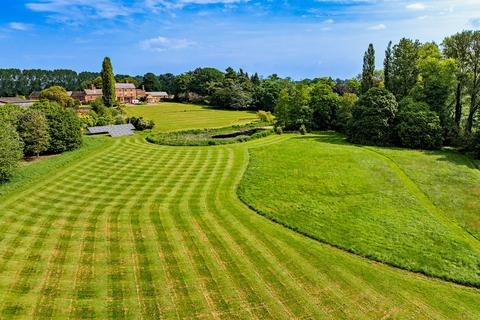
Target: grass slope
pixel 360 200
pixel 135 230
pixel 175 116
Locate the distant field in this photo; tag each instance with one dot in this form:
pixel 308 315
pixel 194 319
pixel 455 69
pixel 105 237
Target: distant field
pixel 176 116
pixel 406 208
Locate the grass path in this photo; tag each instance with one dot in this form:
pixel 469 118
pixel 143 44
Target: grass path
pixel 139 231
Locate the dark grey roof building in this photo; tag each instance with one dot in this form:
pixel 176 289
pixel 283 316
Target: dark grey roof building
pixel 119 130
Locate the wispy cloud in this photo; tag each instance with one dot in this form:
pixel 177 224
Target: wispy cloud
pixel 76 10
pixel 19 26
pixel 160 44
pixel 378 27
pixel 417 6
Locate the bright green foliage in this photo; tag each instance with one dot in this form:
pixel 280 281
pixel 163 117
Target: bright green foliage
pixel 33 130
pixel 368 73
pixel 141 124
pixel 266 95
pixel 64 127
pixel 344 115
pixel 362 200
pixel 175 116
pixel 417 127
pixel 405 71
pixel 303 130
pixel 132 230
pixel 108 83
pixel 265 116
pixel 372 118
pixel 11 148
pixel 324 104
pixel 10 113
pixel 58 95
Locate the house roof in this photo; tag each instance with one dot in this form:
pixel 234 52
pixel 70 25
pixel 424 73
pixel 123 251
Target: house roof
pixel 124 86
pixel 77 93
pixel 96 92
pixel 157 94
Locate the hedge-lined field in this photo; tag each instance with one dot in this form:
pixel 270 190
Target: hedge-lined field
pixel 411 209
pixel 136 230
pixel 169 116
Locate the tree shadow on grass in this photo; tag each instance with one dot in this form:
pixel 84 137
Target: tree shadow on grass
pixel 445 154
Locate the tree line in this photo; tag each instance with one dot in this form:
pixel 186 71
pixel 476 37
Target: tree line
pixel 425 96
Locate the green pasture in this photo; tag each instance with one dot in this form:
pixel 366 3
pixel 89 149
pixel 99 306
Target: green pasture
pixel 416 210
pixel 125 229
pixel 176 116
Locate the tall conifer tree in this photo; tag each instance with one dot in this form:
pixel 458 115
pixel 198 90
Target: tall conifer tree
pixel 368 80
pixel 108 83
pixel 387 67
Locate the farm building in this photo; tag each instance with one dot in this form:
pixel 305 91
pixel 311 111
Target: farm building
pixel 17 101
pixel 153 97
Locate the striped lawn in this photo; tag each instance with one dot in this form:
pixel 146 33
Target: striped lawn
pixel 139 231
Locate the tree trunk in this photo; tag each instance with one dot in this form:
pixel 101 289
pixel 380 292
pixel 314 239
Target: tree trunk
pixel 469 125
pixel 458 105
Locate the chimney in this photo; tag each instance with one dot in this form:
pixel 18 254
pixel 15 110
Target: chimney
pixel 94 89
pixel 126 81
pixel 143 89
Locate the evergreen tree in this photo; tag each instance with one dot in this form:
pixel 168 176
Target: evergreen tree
pixel 108 83
pixel 368 74
pixel 387 67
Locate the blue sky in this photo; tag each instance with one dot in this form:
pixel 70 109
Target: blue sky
pixel 309 38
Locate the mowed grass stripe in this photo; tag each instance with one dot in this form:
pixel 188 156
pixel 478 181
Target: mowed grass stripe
pixel 289 291
pixel 168 213
pixel 202 260
pixel 181 293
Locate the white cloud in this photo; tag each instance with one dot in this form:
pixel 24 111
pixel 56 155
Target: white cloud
pixel 329 21
pixel 74 10
pixel 19 26
pixel 417 6
pixel 160 44
pixel 378 27
pixel 178 4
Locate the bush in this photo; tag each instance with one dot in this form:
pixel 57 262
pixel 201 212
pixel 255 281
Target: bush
pixel 303 130
pixel 59 95
pixel 64 127
pixel 10 150
pixel 10 113
pixel 418 127
pixel 140 124
pixel 278 130
pixel 33 130
pixel 372 118
pixel 265 116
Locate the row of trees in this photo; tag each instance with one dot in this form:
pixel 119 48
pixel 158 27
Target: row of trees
pixel 426 96
pixel 45 128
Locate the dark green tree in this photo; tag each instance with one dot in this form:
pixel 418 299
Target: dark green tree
pixel 368 73
pixel 372 118
pixel 417 127
pixel 387 67
pixel 64 127
pixel 324 104
pixel 151 82
pixel 108 83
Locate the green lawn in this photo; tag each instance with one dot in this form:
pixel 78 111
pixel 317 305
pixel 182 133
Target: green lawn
pixel 176 116
pixel 127 229
pixel 405 208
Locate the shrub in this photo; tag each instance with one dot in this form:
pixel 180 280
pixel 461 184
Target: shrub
pixel 59 95
pixel 64 127
pixel 303 130
pixel 10 150
pixel 33 130
pixel 372 118
pixel 140 124
pixel 265 116
pixel 278 130
pixel 418 127
pixel 10 113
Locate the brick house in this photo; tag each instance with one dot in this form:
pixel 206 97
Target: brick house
pixel 153 97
